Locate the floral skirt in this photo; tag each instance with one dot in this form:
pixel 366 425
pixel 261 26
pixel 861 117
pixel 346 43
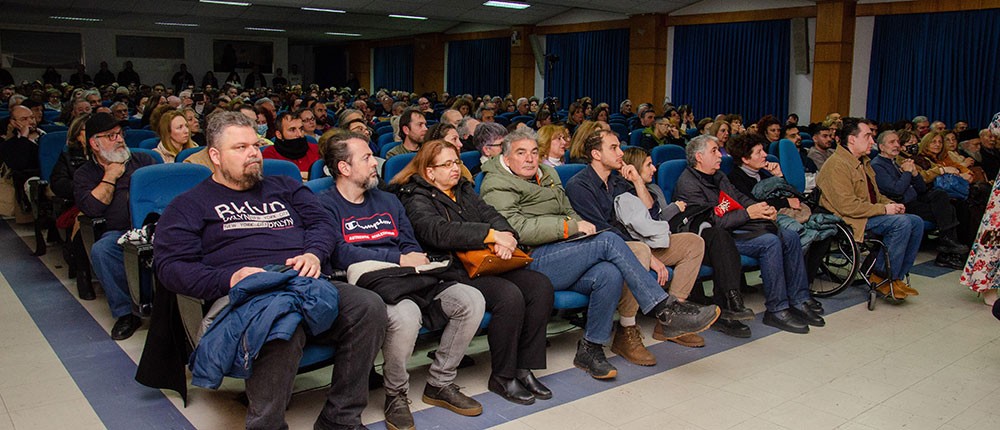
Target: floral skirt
pixel 981 270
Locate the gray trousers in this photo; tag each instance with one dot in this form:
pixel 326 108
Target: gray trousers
pixel 463 305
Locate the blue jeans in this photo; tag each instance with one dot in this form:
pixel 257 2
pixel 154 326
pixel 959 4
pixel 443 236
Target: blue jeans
pixel 901 234
pixel 596 267
pixel 782 268
pixel 109 266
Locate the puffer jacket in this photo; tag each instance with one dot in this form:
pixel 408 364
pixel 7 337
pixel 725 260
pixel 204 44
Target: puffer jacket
pixel 538 209
pixel 263 307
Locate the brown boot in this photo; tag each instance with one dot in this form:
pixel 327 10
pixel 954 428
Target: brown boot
pixel 905 288
pixel 690 340
pixel 887 288
pixel 628 344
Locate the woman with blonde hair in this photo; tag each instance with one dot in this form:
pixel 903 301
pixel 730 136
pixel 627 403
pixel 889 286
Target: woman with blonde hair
pixel 552 143
pixel 580 136
pixel 174 135
pixel 448 216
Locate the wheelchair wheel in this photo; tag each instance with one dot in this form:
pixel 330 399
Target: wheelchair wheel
pixel 839 266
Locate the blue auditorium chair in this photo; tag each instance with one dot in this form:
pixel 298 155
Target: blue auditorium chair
pixel 150 143
pixel 156 155
pixel 134 137
pixel 273 167
pixel 185 153
pixel 667 152
pixel 636 138
pixel 316 170
pixel 395 164
pixel 566 171
pixel 384 149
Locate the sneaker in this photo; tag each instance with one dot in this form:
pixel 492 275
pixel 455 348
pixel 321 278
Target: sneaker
pixel 397 412
pixel 449 397
pixel 590 357
pixel 628 344
pixel 689 340
pixel 679 318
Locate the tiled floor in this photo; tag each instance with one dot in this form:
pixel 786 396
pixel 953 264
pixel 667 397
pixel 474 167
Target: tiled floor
pixel 932 362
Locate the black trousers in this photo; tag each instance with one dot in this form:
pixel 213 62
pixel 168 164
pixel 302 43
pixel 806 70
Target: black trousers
pixel 520 302
pixel 934 206
pixel 357 334
pixel 724 259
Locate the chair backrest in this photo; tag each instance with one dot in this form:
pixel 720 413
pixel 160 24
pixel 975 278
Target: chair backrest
pixel 150 143
pixel 521 118
pixel 667 152
pixel 316 170
pixel 727 164
pixel 502 120
pixel 567 171
pixel 384 140
pixel 134 137
pixel 319 185
pixel 620 129
pixel 274 167
pixel 49 148
pixel 384 129
pixel 805 135
pixel 667 175
pixel 185 153
pixel 772 158
pixel 384 149
pixel 479 181
pixel 395 164
pixel 311 139
pixel 636 137
pixel 692 133
pixel 772 148
pixel 471 160
pixel 156 155
pixel 50 115
pixel 791 165
pixel 507 115
pixel 807 143
pixel 52 128
pixel 154 187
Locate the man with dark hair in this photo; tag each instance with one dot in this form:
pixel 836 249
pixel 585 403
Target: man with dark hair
pixel 922 125
pixel 487 140
pixel 424 105
pixel 290 144
pixel 850 191
pixel 485 113
pixel 790 131
pixel 466 130
pixel 412 129
pixel 81 77
pixel 236 222
pixel 182 79
pixel 593 193
pixel 823 146
pixel 128 76
pixel 101 190
pixel 279 80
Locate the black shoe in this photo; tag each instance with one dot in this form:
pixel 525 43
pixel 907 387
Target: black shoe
pixel 950 246
pixel 785 320
pixel 84 288
pixel 449 397
pixel 511 390
pixel 680 318
pixel 731 328
pixel 125 327
pixel 807 315
pixel 590 357
pixel 734 309
pixel 397 412
pixel 529 381
pixel 816 306
pixel 949 261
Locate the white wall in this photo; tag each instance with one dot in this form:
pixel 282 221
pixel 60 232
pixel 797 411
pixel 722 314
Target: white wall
pixel 800 86
pixel 99 45
pixel 864 26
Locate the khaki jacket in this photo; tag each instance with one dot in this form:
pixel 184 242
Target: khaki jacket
pixel 845 190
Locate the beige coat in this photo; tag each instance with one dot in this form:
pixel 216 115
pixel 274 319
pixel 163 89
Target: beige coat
pixel 845 190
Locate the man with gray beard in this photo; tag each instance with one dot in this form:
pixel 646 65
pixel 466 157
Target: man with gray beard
pixel 101 189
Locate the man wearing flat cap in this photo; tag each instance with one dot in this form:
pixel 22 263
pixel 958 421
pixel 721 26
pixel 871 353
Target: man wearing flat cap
pixel 101 189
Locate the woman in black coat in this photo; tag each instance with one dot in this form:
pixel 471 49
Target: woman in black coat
pixel 447 215
pixel 61 184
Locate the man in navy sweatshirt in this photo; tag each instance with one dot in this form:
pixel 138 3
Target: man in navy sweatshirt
pixel 229 227
pixel 371 225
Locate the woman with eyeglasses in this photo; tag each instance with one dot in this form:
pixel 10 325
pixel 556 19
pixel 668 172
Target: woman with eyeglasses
pixel 447 216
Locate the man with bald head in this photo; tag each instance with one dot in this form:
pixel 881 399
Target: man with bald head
pixel 451 116
pixel 19 149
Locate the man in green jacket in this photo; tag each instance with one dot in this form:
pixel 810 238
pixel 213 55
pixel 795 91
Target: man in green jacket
pixel 574 255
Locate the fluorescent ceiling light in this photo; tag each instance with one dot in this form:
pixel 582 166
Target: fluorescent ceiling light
pixel 177 24
pixel 334 33
pixel 276 30
pixel 76 18
pixel 227 3
pixel 421 18
pixel 507 4
pixel 316 9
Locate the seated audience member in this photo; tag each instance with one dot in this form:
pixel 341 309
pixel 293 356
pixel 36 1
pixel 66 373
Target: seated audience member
pixel 290 144
pixel 487 140
pixel 466 129
pixel 61 184
pixel 990 153
pixel 447 216
pixel 101 190
pixel 576 155
pixel 308 123
pixel 662 132
pixel 412 130
pixel 783 271
pixel 900 181
pixel 576 116
pixel 448 133
pixel 19 150
pixel 451 116
pixel 850 191
pixel 823 146
pixel 552 143
pixel 722 130
pixel 194 126
pixel 205 248
pixel 530 197
pixel 371 226
pixel 934 161
pixel 174 135
pixel 791 132
pixel 594 195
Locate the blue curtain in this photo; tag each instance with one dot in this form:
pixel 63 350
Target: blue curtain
pixel 394 67
pixel 593 63
pixel 479 67
pixel 942 65
pixel 733 68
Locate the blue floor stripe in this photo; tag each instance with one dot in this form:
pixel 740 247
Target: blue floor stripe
pixel 573 384
pixel 102 371
pixel 929 269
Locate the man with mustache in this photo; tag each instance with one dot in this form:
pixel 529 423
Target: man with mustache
pixel 101 189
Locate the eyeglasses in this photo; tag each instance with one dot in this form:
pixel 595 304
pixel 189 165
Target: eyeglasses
pixel 311 119
pixel 448 164
pixel 111 136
